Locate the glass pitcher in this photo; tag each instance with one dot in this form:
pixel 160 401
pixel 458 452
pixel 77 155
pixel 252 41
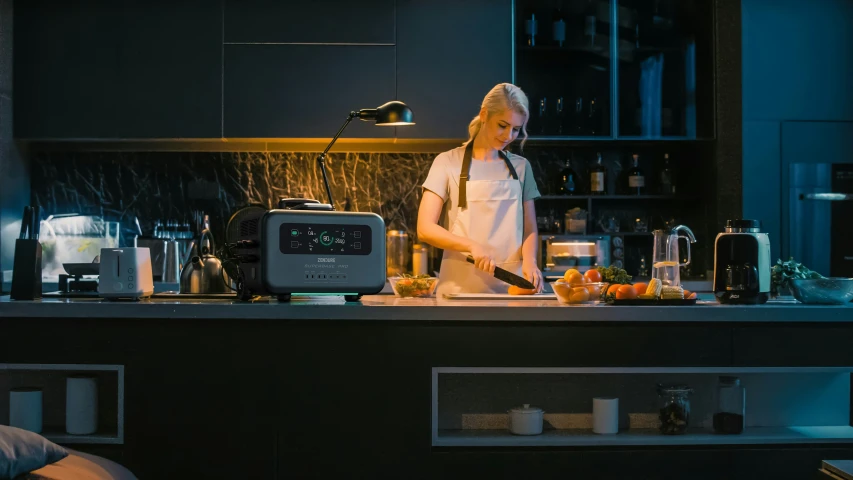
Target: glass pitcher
pixel 666 262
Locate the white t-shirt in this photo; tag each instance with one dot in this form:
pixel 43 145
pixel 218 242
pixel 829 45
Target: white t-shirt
pixel 443 178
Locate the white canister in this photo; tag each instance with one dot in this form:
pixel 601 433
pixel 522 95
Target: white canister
pixel 526 420
pixel 605 415
pixel 81 405
pixel 25 408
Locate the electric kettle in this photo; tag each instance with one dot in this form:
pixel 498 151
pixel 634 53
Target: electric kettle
pixel 204 273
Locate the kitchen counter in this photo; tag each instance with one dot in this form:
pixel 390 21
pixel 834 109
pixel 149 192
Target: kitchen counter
pixel 391 308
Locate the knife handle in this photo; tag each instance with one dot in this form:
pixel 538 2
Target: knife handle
pixel 36 225
pixel 25 222
pixel 470 259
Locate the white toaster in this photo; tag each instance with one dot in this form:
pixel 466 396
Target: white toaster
pixel 125 273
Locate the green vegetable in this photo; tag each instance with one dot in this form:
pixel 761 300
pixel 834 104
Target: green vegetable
pixel 414 285
pixel 783 272
pixel 613 274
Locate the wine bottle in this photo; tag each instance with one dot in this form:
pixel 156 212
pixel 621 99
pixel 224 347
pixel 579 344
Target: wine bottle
pixel 667 178
pixel 598 178
pixel 567 180
pixel 590 21
pixel 531 29
pixel 636 179
pixel 558 28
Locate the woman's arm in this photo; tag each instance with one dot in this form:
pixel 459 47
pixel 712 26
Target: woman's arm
pixel 431 232
pixel 530 246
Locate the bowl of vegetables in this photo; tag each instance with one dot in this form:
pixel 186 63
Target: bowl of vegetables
pixel 413 286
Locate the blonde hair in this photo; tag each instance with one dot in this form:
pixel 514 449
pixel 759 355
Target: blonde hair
pixel 502 97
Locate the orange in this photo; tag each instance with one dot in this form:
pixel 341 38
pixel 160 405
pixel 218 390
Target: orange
pixel 692 296
pixel 592 275
pixel 570 272
pixel 613 289
pixel 641 287
pixel 687 293
pixel 575 278
pixel 594 291
pixel 626 292
pixel 579 295
pixel 513 290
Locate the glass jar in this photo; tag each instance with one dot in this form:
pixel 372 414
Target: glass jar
pixel 396 252
pixel 731 406
pixel 674 404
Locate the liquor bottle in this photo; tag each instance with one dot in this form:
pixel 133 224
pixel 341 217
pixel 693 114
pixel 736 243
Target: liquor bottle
pixel 567 180
pixel 667 177
pixel 590 22
pixel 598 178
pixel 636 179
pixel 531 29
pixel 558 28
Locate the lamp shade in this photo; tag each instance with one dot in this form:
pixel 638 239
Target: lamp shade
pixel 391 114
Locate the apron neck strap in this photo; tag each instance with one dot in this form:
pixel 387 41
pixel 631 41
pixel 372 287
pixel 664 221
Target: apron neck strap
pixel 464 175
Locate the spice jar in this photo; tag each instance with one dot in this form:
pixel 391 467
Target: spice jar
pixel 731 406
pixel 674 403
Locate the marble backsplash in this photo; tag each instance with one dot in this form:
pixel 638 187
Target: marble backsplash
pixel 151 186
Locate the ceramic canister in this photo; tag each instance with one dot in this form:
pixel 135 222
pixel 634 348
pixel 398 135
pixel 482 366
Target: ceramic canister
pixel 525 420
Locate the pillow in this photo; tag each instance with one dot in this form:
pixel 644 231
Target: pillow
pixel 22 451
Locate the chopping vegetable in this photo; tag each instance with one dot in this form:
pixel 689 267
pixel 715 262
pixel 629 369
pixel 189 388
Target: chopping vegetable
pixel 479 199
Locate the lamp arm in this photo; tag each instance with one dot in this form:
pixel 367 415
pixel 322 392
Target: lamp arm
pixel 321 160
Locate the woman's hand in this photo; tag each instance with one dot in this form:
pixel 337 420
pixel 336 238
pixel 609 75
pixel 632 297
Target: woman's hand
pixel 483 258
pixel 531 272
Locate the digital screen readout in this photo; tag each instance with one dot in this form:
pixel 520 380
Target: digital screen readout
pixel 325 239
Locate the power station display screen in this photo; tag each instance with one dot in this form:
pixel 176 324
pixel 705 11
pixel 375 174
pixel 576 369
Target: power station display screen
pixel 325 239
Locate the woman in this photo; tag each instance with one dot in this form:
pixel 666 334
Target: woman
pixel 486 197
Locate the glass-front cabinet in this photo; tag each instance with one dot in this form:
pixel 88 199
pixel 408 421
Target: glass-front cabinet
pixel 626 69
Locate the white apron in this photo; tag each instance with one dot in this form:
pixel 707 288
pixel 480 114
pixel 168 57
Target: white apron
pixel 489 212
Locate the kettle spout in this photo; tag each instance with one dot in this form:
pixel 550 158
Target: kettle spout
pixel 687 230
pixel 198 262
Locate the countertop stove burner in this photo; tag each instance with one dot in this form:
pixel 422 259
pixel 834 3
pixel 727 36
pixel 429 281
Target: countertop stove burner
pixel 75 286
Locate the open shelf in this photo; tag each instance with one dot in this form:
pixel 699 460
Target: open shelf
pixel 582 437
pixel 785 405
pixel 51 379
pixel 58 436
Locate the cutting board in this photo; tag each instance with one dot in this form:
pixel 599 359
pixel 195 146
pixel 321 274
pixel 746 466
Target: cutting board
pixel 499 296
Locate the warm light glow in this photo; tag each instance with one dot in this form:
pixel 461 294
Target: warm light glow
pixel 394 124
pixel 574 243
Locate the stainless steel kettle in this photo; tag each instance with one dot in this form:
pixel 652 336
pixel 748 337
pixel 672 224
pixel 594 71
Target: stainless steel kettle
pixel 204 273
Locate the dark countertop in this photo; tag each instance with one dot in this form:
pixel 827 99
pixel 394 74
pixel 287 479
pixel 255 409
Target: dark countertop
pixel 388 307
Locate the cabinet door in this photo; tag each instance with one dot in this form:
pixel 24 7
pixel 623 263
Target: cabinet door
pixel 171 70
pixel 317 21
pixel 444 76
pixel 305 90
pixel 66 69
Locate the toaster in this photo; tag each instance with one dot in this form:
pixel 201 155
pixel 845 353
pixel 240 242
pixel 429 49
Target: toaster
pixel 125 273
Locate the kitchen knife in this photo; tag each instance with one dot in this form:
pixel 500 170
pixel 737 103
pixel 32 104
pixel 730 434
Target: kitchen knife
pixel 508 277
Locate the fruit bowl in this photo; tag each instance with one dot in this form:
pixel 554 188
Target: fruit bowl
pixel 577 293
pixel 413 287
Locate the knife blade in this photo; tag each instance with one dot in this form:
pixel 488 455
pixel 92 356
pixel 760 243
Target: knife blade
pixel 508 277
pixel 36 225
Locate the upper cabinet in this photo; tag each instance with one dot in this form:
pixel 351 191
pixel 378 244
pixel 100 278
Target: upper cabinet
pixel 315 21
pixel 630 69
pixel 66 69
pixel 124 69
pixel 450 53
pixel 305 90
